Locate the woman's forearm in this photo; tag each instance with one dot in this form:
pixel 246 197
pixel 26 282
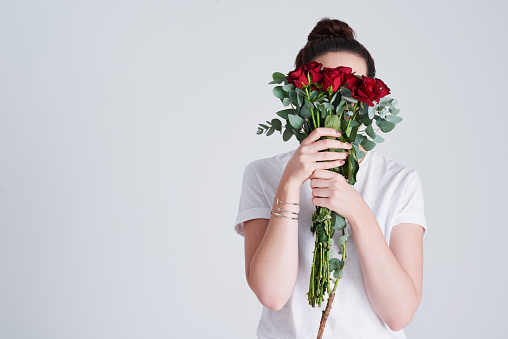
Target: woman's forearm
pixel 390 289
pixel 274 266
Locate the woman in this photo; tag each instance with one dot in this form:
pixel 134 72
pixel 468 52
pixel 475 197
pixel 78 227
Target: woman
pixel 382 284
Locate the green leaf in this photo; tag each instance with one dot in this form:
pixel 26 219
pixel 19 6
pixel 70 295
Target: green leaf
pixel 279 92
pixel 305 112
pixel 372 111
pixel 395 111
pixel 349 99
pixel 354 123
pixel 293 96
pixel 342 239
pixel 299 135
pixel 278 76
pixel 334 264
pixel 395 119
pixel 359 138
pixel 385 101
pixel 368 144
pixel 360 154
pixel 276 124
pixel 313 94
pixel 323 237
pixel 270 131
pixel 332 121
pixel 300 92
pixel 366 120
pixel 288 87
pixel 308 103
pixel 341 107
pixel 295 121
pixel 370 131
pixel 284 113
pixel 288 133
pixel 329 106
pixel 386 126
pixel 338 221
pixel 286 101
pixel 264 126
pixel 378 139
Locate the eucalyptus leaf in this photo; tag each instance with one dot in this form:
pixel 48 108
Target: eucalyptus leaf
pixel 308 103
pixel 385 101
pixel 305 112
pixel 295 121
pixel 279 92
pixel 276 124
pixel 378 139
pixel 366 120
pixel 293 96
pixel 386 126
pixel 286 101
pixel 395 111
pixel 395 119
pixel 264 126
pixel 288 133
pixel 300 92
pixel 299 135
pixel 372 112
pixel 284 113
pixel 368 144
pixel 313 95
pixel 338 221
pixel 370 131
pixel 288 87
pixel 270 131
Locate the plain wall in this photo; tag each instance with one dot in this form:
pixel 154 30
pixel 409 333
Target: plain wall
pixel 125 127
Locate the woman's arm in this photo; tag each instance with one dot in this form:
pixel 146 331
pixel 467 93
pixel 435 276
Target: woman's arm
pixel 271 252
pixel 271 246
pixel 392 274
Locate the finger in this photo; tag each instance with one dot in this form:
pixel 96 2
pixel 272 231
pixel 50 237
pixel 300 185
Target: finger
pixel 321 192
pixel 319 183
pixel 325 165
pixel 323 174
pixel 323 202
pixel 324 156
pixel 329 143
pixel 321 132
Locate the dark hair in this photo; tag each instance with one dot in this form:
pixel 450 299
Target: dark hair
pixel 331 35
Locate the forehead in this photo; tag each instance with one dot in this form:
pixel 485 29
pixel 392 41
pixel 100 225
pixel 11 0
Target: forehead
pixel 336 59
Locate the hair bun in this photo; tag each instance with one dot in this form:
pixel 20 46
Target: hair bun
pixel 327 28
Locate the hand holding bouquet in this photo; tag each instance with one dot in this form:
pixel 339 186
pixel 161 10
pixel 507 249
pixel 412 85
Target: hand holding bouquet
pixel 334 98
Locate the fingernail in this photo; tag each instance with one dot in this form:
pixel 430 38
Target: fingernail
pixel 338 133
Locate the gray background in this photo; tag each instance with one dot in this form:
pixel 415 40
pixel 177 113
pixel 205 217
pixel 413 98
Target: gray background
pixel 125 127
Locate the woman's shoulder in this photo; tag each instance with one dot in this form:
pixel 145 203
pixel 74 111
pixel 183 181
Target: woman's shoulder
pixel 382 165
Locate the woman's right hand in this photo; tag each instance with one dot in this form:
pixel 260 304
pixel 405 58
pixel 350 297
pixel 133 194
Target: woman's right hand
pixel 308 157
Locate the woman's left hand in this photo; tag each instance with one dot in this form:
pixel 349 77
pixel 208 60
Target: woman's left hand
pixel 331 190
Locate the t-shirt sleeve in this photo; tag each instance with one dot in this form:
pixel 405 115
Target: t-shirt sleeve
pixel 411 205
pixel 253 202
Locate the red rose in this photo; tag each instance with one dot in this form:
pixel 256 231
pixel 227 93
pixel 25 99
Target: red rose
pixel 351 81
pixel 314 69
pixel 335 77
pixel 298 78
pixel 370 90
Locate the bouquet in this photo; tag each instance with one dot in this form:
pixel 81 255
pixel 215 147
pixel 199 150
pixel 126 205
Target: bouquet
pixel 351 104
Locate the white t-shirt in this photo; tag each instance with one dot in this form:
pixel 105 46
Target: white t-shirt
pixel 394 194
